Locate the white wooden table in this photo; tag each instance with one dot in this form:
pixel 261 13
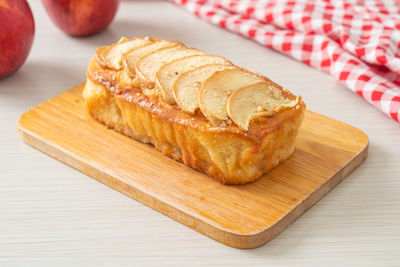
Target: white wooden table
pixel 52 214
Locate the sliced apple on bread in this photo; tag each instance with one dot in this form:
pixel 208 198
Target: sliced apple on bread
pixel 169 73
pixel 98 55
pixel 112 55
pixel 188 84
pixel 130 58
pixel 256 100
pixel 148 65
pixel 217 88
pixel 232 124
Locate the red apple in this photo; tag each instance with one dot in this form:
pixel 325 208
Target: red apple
pixel 81 17
pixel 17 29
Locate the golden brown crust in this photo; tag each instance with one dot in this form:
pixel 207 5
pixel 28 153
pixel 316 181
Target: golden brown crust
pixel 228 154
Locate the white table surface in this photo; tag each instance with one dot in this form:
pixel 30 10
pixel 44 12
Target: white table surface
pixel 52 214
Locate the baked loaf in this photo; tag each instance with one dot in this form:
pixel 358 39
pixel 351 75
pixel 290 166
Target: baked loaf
pixel 225 121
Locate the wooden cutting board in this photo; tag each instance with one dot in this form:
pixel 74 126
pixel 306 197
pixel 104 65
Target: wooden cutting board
pixel 244 216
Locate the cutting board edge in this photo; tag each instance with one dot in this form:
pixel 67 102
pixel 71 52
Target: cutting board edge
pixel 237 240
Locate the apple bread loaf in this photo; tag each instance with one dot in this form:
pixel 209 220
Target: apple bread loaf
pixel 225 121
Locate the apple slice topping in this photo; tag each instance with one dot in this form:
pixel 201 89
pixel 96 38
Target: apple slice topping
pixel 147 66
pixel 169 73
pixel 216 89
pixel 113 54
pixel 130 58
pixel 188 84
pixel 256 100
pixel 99 56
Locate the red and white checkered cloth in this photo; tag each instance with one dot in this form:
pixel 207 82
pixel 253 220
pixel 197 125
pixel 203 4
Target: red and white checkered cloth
pixel 356 41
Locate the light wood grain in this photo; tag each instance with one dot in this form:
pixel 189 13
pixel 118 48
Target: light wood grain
pixel 244 216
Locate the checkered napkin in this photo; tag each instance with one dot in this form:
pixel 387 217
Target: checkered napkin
pixel 356 41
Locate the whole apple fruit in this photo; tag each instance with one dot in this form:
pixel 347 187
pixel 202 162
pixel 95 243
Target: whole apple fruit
pixel 17 30
pixel 81 17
